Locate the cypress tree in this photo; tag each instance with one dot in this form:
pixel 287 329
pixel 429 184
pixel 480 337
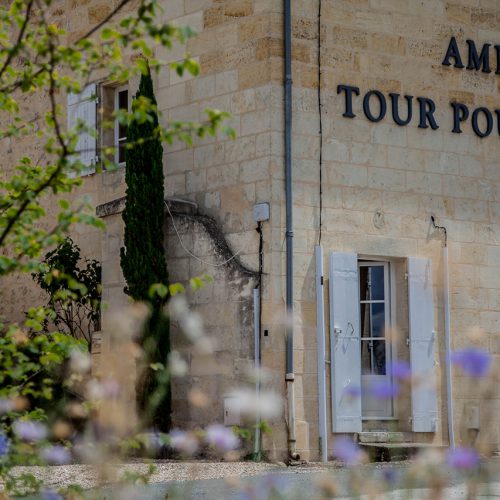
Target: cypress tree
pixel 143 257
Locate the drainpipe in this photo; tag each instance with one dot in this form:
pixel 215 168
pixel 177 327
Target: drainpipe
pixel 256 332
pixel 289 377
pixel 447 333
pixel 321 354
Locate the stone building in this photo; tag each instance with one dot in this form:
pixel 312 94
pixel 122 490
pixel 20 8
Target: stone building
pixel 386 132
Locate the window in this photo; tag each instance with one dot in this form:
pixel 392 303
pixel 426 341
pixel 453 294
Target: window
pixel 84 107
pixel 361 311
pixel 120 103
pixel 375 344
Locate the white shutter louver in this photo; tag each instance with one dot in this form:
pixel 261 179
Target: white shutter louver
pixel 82 108
pixel 345 341
pixel 422 345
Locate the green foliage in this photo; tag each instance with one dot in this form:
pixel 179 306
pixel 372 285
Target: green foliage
pixel 33 379
pixel 74 292
pixel 143 256
pixel 31 367
pixel 39 64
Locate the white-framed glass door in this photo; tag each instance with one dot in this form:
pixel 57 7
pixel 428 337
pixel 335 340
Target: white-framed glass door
pixel 375 317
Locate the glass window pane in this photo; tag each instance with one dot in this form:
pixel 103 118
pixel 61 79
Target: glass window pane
pixel 364 290
pixel 123 99
pixel 378 320
pixel 371 283
pixel 121 152
pixel 365 320
pixel 376 274
pixel 122 131
pixel 366 358
pixel 379 365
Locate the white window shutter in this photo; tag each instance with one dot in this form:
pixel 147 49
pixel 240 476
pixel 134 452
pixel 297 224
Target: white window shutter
pixel 422 345
pixel 82 108
pixel 345 341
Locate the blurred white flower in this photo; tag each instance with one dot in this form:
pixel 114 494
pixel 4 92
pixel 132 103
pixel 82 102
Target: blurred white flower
pixel 183 441
pixel 177 365
pixel 178 307
pixel 79 361
pixel 221 437
pixel 248 403
pixel 103 389
pixel 6 405
pixel 192 326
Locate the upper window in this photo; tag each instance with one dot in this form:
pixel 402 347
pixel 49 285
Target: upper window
pixel 107 140
pixel 121 103
pixel 112 135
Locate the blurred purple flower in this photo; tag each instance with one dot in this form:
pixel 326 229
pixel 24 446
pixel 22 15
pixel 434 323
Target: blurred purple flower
pixel 462 458
pixel 5 405
pixel 347 451
pixel 183 441
pixel 110 388
pixel 390 476
pixel 51 495
pixel 384 389
pixel 56 455
pixel 153 440
pixel 352 391
pixel 4 445
pixel 401 369
pixel 474 362
pixel 221 437
pixel 28 430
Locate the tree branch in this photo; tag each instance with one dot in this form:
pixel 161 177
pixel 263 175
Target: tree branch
pixel 14 50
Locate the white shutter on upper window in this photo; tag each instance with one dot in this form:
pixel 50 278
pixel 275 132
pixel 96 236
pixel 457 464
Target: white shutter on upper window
pixel 83 108
pixel 422 345
pixel 345 342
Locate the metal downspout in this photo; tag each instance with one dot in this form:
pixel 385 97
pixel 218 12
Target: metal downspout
pixel 447 332
pixel 289 230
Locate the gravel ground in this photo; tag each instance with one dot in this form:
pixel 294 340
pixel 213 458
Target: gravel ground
pixel 197 472
pixel 87 476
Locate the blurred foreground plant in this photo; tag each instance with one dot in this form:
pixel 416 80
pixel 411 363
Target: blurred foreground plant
pixel 52 408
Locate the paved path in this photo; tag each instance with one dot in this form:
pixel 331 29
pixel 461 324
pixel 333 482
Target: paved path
pixel 305 483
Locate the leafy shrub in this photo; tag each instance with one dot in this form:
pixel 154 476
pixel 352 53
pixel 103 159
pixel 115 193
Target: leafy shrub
pixel 74 291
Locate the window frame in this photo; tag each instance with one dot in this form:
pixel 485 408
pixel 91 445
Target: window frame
pixel 390 302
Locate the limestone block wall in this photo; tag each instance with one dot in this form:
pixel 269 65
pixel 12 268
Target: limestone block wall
pixel 194 247
pixel 226 309
pixel 398 175
pixel 239 48
pixel 381 183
